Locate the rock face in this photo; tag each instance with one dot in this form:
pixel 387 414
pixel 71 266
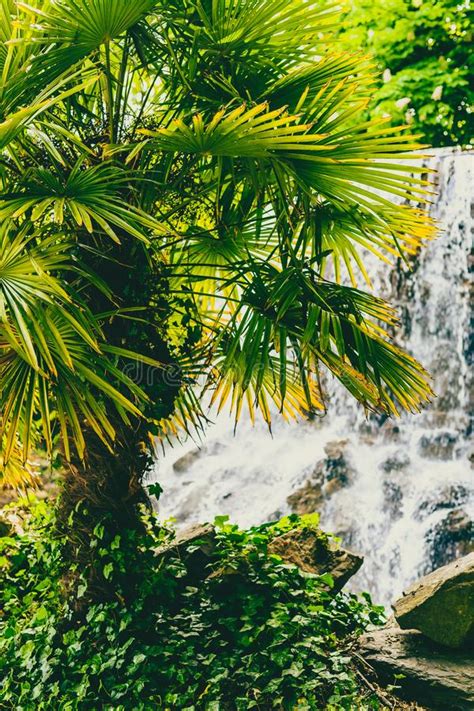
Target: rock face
pixel 307 499
pixel 438 678
pixel 438 446
pixel 330 474
pixel 446 497
pixel 450 539
pixel 306 549
pixel 441 605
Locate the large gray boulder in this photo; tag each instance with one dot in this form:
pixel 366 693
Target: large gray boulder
pixel 434 677
pixel 441 605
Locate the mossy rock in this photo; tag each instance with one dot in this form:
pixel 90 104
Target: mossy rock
pixel 441 605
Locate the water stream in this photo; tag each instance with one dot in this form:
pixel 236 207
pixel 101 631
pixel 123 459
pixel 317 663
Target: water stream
pixel 400 492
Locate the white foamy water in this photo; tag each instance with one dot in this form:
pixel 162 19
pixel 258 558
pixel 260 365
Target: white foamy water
pixel 410 490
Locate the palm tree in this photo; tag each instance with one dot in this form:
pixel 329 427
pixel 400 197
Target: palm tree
pixel 187 198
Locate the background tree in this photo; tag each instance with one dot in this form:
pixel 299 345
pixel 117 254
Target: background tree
pixel 422 49
pixel 183 187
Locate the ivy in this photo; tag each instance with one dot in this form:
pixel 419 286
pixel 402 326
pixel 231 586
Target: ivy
pixel 241 631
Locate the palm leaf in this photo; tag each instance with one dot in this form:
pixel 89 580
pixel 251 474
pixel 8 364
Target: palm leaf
pixel 85 196
pixel 273 28
pixel 243 133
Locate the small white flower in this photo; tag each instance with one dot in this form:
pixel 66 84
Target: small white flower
pixel 437 93
pixel 401 103
pixel 387 75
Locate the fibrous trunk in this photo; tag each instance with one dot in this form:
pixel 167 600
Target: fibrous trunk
pixel 105 491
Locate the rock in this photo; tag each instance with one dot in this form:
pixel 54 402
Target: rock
pixel 443 363
pixel 330 475
pixel 396 463
pixel 204 533
pixel 307 499
pixel 439 446
pixel 393 499
pixel 335 449
pixel 335 468
pixel 390 431
pixel 196 545
pixel 190 503
pixel 441 605
pixel 312 554
pixel 438 678
pixel 451 538
pixel 332 486
pixel 183 463
pixel 448 497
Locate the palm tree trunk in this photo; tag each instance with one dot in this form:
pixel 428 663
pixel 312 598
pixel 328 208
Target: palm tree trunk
pixel 105 489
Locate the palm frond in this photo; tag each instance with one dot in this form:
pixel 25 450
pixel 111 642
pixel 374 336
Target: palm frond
pixel 272 28
pixel 89 197
pixel 227 161
pixel 51 361
pixel 15 473
pixel 86 24
pixel 244 132
pixel 16 121
pixel 302 85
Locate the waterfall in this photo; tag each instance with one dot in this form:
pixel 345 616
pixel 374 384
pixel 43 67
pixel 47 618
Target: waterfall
pixel 401 492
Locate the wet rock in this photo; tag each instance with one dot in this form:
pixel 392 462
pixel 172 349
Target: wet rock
pixel 370 429
pixel 438 678
pixel 335 468
pixel 441 604
pixel 183 463
pixel 392 484
pixel 335 449
pixel 444 362
pixel 390 431
pixel 398 462
pixel 447 497
pixel 394 561
pixel 393 499
pixel 186 512
pixel 438 446
pixel 307 499
pixel 330 475
pixel 451 538
pixel 340 521
pixel 311 553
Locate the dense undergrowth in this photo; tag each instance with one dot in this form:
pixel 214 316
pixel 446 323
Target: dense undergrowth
pixel 230 629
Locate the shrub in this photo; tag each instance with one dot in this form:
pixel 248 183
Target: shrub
pixel 243 632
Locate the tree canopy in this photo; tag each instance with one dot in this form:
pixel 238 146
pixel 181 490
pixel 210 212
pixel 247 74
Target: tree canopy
pixel 187 196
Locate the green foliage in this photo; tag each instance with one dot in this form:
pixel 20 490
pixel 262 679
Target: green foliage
pixel 183 187
pixel 424 49
pixel 243 632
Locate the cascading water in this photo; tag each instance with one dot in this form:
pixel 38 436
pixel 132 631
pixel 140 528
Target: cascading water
pixel 401 492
